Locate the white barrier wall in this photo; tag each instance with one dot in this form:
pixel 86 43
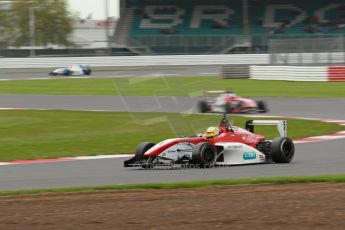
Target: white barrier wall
pixel 289 73
pixel 307 58
pixel 171 60
pixel 131 61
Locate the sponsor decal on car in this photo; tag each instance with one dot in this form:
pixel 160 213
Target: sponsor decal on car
pixel 249 156
pixel 235 146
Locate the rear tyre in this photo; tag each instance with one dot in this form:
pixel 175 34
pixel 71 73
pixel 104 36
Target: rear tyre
pixel 87 71
pixel 262 107
pixel 204 154
pixel 282 150
pixel 203 106
pixel 227 107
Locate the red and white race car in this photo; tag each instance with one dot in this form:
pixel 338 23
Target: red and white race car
pixel 228 102
pixel 222 145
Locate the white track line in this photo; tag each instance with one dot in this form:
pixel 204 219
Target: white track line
pixel 171 74
pixel 38 78
pixel 102 157
pixel 119 76
pixel 78 77
pixel 208 73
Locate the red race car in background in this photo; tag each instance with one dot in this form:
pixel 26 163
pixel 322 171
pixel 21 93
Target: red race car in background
pixel 222 145
pixel 228 102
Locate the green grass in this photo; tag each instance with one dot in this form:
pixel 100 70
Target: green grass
pixel 177 86
pixel 33 134
pixel 191 184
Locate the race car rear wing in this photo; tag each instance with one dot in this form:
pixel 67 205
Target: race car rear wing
pixel 281 125
pixel 214 93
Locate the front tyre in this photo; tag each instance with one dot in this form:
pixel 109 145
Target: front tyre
pixel 282 150
pixel 142 148
pixel 139 154
pixel 68 72
pixel 204 154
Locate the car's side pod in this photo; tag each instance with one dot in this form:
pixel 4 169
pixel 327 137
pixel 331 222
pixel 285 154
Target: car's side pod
pixel 281 125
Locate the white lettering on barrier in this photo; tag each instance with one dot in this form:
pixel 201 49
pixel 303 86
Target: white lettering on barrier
pixel 221 14
pixel 271 11
pixel 322 12
pixel 171 19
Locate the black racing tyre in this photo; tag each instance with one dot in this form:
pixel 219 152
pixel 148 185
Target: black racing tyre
pixel 227 107
pixel 203 106
pixel 204 154
pixel 87 71
pixel 68 73
pixel 262 107
pixel 282 150
pixel 142 148
pixel 139 154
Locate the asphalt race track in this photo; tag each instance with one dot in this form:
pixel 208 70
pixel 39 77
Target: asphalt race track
pixel 310 159
pixel 112 72
pixel 316 108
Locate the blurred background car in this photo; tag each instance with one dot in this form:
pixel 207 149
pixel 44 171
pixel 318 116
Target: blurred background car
pixel 228 102
pixel 77 70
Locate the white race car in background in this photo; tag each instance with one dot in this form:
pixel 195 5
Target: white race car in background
pixel 76 70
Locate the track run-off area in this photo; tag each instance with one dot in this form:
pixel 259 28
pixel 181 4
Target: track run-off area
pixel 319 158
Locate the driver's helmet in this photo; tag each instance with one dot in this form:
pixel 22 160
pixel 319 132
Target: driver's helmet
pixel 211 132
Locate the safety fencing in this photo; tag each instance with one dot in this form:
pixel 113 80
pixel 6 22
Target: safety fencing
pixel 298 73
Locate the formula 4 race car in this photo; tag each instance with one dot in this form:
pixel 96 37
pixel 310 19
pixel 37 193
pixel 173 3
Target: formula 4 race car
pixel 76 70
pixel 223 145
pixel 228 102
